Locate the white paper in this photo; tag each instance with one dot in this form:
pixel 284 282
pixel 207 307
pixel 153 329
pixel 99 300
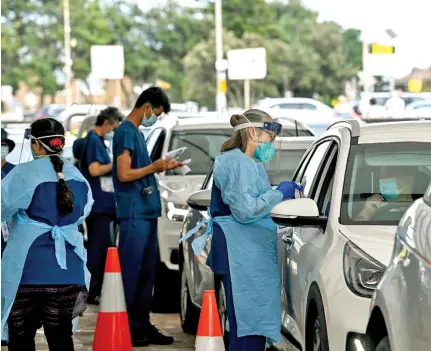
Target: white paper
pixel 176 153
pixel 5 231
pixel 107 184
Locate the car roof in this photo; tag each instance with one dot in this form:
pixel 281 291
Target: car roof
pixel 409 131
pixel 295 143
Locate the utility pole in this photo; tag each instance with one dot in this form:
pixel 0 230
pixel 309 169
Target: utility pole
pixel 67 53
pixel 221 101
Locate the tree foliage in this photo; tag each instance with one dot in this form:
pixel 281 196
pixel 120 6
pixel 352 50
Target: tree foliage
pixel 177 44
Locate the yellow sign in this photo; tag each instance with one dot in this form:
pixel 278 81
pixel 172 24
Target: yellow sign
pixel 162 84
pixel 223 86
pixel 378 49
pixel 415 85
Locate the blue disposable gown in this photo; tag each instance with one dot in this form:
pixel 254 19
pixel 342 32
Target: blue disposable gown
pixel 16 196
pixel 251 238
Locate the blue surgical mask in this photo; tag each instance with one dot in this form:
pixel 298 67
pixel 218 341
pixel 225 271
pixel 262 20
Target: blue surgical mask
pixel 109 136
pixel 148 122
pixel 33 154
pixel 389 188
pixel 264 152
pixel 4 151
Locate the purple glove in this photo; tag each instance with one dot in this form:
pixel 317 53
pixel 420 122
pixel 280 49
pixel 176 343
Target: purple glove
pixel 288 188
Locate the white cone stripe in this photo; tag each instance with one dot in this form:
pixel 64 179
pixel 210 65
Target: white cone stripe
pixel 209 343
pixel 112 299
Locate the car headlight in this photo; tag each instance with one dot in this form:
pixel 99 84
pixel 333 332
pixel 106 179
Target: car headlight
pixel 361 272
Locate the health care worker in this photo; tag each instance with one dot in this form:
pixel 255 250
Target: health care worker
pixel 44 263
pixel 95 163
pixel 138 208
pixel 244 237
pixel 7 146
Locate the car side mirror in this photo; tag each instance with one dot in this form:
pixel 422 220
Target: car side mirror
pixel 298 213
pixel 200 200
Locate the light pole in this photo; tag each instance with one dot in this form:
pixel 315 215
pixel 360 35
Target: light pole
pixel 221 74
pixel 67 52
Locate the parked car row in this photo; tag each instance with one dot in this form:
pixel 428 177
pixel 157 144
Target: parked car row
pixel 335 244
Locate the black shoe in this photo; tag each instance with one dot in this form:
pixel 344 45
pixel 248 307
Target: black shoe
pixel 4 343
pixel 93 300
pixel 140 341
pixel 156 337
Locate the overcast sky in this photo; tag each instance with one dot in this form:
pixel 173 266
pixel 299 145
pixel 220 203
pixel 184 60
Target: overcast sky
pixel 409 19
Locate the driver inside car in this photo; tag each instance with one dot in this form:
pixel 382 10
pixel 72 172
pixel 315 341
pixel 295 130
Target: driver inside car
pixel 396 186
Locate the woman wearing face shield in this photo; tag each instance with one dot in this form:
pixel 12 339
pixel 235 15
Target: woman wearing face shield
pixel 243 247
pixel 44 274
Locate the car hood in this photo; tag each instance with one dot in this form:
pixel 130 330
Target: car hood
pixel 376 240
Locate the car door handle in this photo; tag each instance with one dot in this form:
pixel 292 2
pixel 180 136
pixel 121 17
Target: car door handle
pixel 287 239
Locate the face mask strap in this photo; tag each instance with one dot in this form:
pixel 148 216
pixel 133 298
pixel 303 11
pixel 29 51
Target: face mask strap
pixel 45 137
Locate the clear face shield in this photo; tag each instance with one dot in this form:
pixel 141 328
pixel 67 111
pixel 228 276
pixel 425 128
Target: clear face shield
pixel 26 150
pixel 268 137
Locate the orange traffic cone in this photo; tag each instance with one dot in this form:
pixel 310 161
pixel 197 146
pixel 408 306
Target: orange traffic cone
pixel 209 336
pixel 112 328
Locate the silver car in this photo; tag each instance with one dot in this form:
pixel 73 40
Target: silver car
pixel 401 307
pixel 196 276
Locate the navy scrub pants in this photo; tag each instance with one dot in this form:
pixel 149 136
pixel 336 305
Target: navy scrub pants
pixel 99 240
pixel 138 251
pixel 219 263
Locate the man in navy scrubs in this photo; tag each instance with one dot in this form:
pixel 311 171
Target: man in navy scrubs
pixel 95 163
pixel 138 208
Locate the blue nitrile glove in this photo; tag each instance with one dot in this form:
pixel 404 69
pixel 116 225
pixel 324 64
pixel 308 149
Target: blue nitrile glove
pixel 288 188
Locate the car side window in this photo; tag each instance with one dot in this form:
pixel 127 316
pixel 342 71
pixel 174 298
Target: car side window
pixel 427 196
pixel 324 194
pixel 155 143
pixel 313 166
pixel 308 107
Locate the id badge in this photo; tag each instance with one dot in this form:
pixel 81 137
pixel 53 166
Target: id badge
pixel 107 184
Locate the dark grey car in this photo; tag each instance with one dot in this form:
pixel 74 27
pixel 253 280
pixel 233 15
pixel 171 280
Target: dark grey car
pixel 196 276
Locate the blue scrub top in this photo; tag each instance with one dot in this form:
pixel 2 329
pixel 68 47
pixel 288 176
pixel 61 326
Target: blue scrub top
pixel 95 150
pixel 131 200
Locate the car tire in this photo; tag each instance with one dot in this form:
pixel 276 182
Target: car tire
pixel 316 334
pixel 167 284
pixel 189 313
pixel 384 345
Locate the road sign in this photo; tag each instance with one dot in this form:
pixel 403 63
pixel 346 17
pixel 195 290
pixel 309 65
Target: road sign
pixel 415 85
pixel 223 86
pixel 379 49
pixel 247 64
pixel 107 61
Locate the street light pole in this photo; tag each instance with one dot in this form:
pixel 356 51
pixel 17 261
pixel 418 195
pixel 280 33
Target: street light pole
pixel 221 75
pixel 67 52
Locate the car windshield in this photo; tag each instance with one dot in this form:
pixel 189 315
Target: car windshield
pixel 382 180
pixel 202 148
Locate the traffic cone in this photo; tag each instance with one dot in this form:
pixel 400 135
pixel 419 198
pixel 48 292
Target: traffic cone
pixel 112 327
pixel 209 336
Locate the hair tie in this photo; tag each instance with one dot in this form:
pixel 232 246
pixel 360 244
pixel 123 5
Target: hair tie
pixel 60 176
pixel 56 142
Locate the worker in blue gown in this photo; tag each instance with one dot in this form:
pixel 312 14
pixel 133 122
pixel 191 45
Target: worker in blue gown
pixel 44 276
pixel 243 247
pixel 138 208
pixel 7 145
pixel 95 164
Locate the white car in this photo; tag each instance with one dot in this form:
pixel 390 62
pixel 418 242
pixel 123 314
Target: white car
pixel 297 107
pixel 332 256
pixel 401 308
pixel 419 109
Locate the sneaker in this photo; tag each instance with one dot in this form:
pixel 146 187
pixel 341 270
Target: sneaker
pixel 4 343
pixel 156 337
pixel 140 341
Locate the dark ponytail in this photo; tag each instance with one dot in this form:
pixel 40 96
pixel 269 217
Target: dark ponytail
pixel 65 196
pixel 44 128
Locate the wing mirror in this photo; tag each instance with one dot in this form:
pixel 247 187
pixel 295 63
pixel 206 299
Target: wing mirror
pixel 200 200
pixel 298 213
